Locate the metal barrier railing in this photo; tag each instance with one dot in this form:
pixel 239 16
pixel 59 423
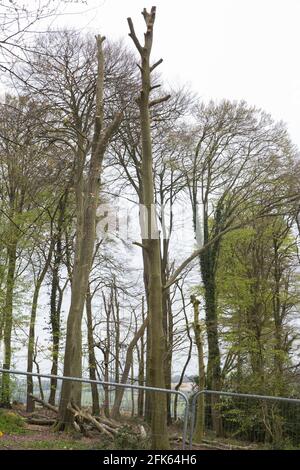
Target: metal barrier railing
pixel 115 384
pixel 190 407
pixel 260 398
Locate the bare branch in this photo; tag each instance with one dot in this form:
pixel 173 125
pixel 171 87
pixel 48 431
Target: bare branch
pixel 140 245
pixel 153 87
pixel 134 36
pixel 156 64
pixel 159 100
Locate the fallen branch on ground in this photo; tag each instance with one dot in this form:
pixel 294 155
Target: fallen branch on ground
pixel 81 416
pixel 83 419
pixel 44 403
pixel 41 421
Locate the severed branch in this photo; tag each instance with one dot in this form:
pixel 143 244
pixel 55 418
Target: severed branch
pixel 134 36
pixel 159 100
pixel 156 64
pixel 140 245
pixel 44 403
pixel 153 87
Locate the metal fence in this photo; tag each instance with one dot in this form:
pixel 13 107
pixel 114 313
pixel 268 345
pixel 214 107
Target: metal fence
pixel 106 391
pixel 247 420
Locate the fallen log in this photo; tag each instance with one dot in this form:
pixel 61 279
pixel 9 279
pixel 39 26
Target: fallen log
pixel 226 446
pixel 107 426
pixel 44 403
pixel 212 444
pixel 82 416
pixel 107 421
pixel 41 422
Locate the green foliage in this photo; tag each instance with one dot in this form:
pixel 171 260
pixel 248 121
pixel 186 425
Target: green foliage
pixel 257 295
pixel 127 439
pixel 11 423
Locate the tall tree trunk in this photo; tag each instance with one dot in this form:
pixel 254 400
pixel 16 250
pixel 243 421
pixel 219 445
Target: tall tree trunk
pixel 38 371
pixel 106 352
pixel 180 381
pixel 87 194
pixel 91 353
pixel 55 311
pixel 168 327
pixel 132 391
pixel 147 414
pixel 214 358
pixel 31 337
pixel 56 296
pixel 208 260
pixel 128 363
pixel 116 315
pixel 279 353
pixel 141 371
pixel 148 377
pixel 8 321
pixel 199 429
pixel 151 243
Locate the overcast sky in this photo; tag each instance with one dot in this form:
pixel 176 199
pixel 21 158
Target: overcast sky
pixel 236 49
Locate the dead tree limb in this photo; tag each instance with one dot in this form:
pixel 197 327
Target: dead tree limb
pixel 44 403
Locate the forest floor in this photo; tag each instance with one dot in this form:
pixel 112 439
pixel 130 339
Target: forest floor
pixel 42 438
pixel 39 438
pixel 17 434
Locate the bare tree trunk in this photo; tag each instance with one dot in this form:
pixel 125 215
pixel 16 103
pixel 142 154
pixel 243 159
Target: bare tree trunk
pixel 132 391
pixel 168 327
pixel 151 243
pixel 31 337
pixel 279 355
pixel 116 315
pixel 91 354
pixel 56 297
pixel 38 371
pixel 180 381
pixel 199 429
pixel 208 261
pixel 128 362
pixel 8 322
pixel 106 353
pixel 141 371
pixel 87 194
pixel 148 377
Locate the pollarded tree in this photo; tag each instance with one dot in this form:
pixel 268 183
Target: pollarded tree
pixel 151 242
pixel 168 182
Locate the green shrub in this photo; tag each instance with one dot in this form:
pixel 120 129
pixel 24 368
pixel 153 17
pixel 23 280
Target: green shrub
pixel 11 422
pixel 127 439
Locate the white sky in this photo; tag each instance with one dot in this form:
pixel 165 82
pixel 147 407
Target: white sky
pixel 236 49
